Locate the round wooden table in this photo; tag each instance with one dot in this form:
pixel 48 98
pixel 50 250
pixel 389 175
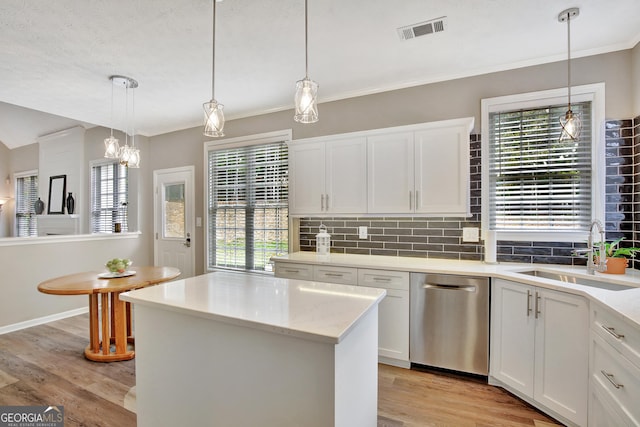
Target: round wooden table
pixel 114 315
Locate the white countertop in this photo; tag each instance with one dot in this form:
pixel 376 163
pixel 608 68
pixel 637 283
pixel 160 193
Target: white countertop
pixel 323 312
pixel 625 302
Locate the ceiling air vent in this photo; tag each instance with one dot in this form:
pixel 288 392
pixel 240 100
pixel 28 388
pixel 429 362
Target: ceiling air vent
pixel 422 28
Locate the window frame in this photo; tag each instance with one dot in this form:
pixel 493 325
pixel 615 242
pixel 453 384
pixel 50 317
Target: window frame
pixel 284 136
pixel 16 176
pixel 100 163
pixel 591 92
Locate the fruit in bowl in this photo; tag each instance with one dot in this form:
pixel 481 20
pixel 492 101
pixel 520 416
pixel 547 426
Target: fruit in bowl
pixel 118 265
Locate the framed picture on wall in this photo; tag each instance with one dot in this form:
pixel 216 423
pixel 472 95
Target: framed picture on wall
pixel 57 188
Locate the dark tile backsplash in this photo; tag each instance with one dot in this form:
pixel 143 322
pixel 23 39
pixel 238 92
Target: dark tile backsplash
pixel 441 237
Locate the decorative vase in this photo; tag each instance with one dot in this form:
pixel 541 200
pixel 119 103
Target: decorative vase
pixel 38 206
pixel 616 265
pixel 71 204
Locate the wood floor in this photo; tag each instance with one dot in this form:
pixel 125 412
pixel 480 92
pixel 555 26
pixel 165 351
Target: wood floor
pixel 44 365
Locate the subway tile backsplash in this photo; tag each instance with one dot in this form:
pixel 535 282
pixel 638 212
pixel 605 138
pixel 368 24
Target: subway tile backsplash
pixel 441 237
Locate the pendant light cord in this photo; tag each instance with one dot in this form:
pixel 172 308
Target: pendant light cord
pixel 569 58
pixel 213 53
pixel 112 106
pixel 306 43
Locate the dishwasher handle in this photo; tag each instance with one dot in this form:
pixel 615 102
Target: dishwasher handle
pixel 467 288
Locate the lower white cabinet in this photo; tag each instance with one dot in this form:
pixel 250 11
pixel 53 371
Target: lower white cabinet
pixel 539 348
pixel 393 311
pixel 614 370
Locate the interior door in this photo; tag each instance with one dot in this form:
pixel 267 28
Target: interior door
pixel 174 219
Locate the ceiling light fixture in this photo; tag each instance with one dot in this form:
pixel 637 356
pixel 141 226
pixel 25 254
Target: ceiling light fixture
pixel 571 124
pixel 127 155
pixel 306 89
pixel 213 114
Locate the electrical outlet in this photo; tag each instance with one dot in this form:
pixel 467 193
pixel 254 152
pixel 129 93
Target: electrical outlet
pixel 470 234
pixel 362 232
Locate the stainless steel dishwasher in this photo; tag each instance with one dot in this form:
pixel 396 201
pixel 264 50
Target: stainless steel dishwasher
pixel 449 322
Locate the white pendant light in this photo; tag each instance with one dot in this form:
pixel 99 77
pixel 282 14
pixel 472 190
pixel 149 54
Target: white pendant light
pixel 571 124
pixel 213 114
pixel 306 89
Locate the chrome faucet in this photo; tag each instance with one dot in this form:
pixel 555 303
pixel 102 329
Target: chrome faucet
pixel 602 261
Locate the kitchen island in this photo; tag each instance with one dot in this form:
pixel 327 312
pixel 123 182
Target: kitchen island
pixel 246 350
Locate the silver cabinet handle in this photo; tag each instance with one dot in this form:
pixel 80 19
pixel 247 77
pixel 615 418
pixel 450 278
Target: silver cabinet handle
pixel 417 200
pixel 322 202
pixel 613 332
pixel 291 270
pixel 326 201
pixel 467 288
pixel 410 200
pixel 528 303
pixel 381 279
pixel 537 304
pixel 334 274
pixel 611 380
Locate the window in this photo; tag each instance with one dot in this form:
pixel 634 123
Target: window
pixel 109 197
pixel 534 185
pixel 247 204
pixel 26 196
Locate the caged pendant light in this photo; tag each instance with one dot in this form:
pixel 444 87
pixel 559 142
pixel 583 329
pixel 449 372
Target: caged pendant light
pixel 213 114
pixel 571 124
pixel 111 144
pixel 306 89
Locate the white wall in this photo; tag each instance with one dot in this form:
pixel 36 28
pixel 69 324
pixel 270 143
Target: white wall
pixel 5 189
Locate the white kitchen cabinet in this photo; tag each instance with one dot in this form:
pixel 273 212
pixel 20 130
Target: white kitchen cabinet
pixel 539 347
pixel 328 176
pixel 424 170
pixel 333 274
pixel 393 311
pixel 614 369
pixel 292 270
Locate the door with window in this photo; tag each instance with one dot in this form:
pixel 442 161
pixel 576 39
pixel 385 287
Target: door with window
pixel 174 222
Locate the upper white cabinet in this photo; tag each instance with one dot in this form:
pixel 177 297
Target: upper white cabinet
pixel 416 169
pixel 328 175
pixel 423 171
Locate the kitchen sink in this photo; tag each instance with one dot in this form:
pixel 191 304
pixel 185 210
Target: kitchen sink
pixel 566 278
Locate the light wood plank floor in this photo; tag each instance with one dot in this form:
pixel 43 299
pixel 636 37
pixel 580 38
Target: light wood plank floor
pixel 44 365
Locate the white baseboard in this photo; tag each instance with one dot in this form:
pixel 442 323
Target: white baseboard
pixel 40 320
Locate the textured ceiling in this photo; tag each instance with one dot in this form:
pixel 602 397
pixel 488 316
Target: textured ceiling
pixel 56 56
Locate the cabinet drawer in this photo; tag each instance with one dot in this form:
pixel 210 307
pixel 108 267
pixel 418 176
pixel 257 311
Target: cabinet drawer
pixel 290 270
pixel 383 279
pixel 341 275
pixel 616 331
pixel 616 376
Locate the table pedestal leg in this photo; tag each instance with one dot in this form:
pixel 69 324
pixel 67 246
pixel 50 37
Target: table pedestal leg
pixel 115 329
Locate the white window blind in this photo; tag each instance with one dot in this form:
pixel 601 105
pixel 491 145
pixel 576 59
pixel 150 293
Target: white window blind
pixel 248 205
pixel 26 196
pixel 536 182
pixel 109 197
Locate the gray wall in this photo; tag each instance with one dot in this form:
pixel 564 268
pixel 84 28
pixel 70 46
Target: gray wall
pixel 438 101
pixel 5 188
pixel 635 79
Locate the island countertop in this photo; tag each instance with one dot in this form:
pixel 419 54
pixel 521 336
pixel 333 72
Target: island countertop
pixel 317 311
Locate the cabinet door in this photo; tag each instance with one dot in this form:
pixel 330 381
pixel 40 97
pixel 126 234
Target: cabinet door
pixel 512 335
pixel 306 177
pixel 390 173
pixel 346 176
pixel 562 354
pixel 442 171
pixel 393 311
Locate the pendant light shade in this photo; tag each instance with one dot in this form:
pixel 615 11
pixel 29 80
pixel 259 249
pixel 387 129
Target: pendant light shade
pixel 306 89
pixel 305 99
pixel 213 111
pixel 111 144
pixel 571 124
